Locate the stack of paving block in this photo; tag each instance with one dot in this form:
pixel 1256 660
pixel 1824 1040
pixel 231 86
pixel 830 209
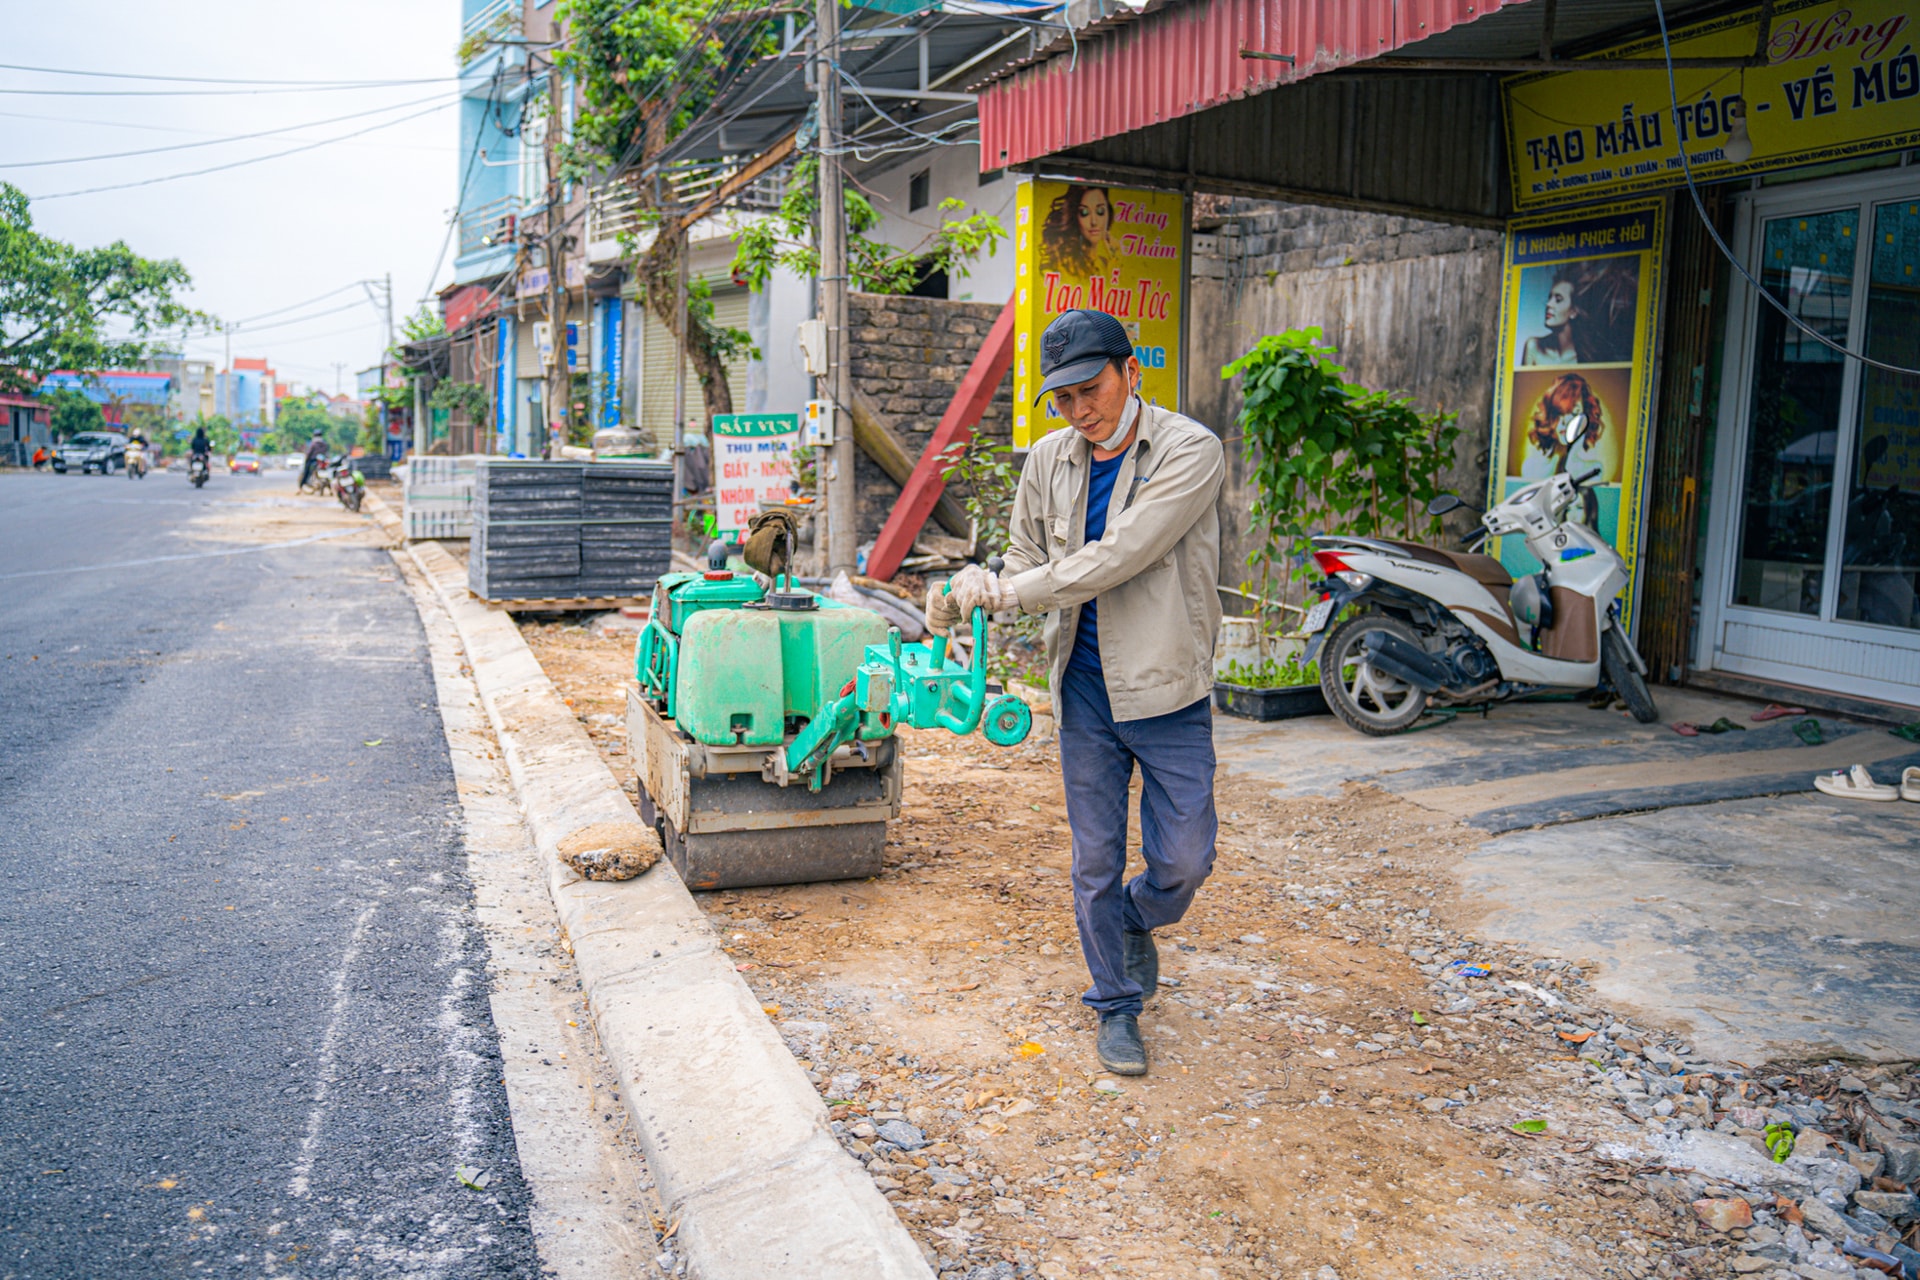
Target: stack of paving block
pixel 437 496
pixel 570 530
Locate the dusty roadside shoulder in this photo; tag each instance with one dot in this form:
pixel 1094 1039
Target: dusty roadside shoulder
pixel 732 1130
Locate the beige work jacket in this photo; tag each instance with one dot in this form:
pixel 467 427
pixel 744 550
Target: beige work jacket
pixel 1154 572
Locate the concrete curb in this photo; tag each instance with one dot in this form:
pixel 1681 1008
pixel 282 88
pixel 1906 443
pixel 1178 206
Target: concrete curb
pixel 735 1136
pixel 384 516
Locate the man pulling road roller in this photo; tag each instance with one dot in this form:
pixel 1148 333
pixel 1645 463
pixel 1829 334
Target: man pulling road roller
pixel 1116 538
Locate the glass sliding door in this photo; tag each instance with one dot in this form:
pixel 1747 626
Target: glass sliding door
pixel 1880 552
pixel 1794 420
pixel 1814 534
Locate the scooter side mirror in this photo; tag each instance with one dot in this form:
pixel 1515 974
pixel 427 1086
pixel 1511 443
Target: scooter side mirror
pixel 1444 503
pixel 1572 427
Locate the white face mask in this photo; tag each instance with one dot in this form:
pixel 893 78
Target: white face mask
pixel 1128 416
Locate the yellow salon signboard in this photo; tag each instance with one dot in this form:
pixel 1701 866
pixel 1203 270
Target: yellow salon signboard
pixel 1842 79
pixel 1108 248
pixel 1578 318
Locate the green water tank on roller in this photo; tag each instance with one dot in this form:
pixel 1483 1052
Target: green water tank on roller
pixel 743 672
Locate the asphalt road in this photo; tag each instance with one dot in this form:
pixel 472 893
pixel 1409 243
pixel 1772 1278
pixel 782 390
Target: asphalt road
pixel 244 1026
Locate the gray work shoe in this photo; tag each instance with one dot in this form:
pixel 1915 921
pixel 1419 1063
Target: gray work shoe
pixel 1143 962
pixel 1119 1045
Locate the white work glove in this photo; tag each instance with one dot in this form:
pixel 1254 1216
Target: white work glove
pixel 977 588
pixel 943 615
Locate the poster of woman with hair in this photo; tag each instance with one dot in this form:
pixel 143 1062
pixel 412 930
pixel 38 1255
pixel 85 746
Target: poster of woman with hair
pixel 1577 333
pixel 1117 250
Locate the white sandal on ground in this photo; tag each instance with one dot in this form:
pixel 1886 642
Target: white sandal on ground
pixel 1855 783
pixel 1910 783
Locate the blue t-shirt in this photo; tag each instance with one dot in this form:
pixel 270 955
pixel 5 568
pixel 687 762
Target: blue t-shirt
pixel 1086 640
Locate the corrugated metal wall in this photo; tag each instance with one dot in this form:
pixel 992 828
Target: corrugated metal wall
pixel 1429 145
pixel 1186 57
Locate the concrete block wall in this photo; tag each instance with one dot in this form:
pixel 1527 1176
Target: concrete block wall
pixel 909 355
pixel 1410 306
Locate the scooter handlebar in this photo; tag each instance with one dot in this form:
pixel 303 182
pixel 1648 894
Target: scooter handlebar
pixel 1581 480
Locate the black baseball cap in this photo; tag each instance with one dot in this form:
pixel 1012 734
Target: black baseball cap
pixel 1077 345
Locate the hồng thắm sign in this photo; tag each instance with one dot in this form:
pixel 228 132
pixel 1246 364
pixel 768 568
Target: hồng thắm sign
pixel 752 463
pixel 1111 249
pixel 1578 323
pixel 1840 80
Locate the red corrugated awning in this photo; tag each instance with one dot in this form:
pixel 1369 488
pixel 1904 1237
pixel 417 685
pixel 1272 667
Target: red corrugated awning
pixel 1186 57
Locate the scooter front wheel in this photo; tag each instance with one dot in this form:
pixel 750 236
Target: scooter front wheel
pixel 1617 665
pixel 1366 698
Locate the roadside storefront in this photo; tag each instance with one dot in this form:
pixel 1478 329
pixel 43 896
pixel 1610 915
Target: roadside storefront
pixel 24 427
pixel 1762 480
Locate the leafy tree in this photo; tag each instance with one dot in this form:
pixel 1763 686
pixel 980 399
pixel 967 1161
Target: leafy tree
pixel 298 418
pixel 60 305
pixel 72 412
pixel 1331 455
pixel 646 69
pixel 873 266
pixel 461 397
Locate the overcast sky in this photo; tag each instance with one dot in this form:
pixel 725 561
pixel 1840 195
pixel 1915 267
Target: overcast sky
pixel 262 236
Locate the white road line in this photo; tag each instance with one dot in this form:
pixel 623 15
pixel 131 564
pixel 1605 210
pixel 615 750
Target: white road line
pixel 591 1194
pixel 324 1066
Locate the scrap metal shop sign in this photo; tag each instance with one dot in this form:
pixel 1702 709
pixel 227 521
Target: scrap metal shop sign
pixel 752 464
pixel 1841 80
pixel 1109 248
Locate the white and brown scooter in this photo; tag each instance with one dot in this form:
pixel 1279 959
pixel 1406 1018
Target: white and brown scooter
pixel 1453 628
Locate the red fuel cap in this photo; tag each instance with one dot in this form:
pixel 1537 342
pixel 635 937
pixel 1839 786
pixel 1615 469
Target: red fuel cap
pixel 719 575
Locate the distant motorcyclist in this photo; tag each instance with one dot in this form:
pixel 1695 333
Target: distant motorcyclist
pixel 200 446
pixel 316 451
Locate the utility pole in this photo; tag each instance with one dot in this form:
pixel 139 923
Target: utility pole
pixel 227 382
pixel 680 363
pixel 559 386
pixel 842 499
pixel 387 413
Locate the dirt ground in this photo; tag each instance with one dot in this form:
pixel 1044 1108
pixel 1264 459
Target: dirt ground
pixel 1333 1092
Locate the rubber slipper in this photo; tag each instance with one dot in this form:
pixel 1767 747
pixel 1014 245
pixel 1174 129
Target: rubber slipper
pixel 1723 724
pixel 1911 732
pixel 1810 732
pixel 1855 783
pixel 1686 730
pixel 1774 711
pixel 1910 783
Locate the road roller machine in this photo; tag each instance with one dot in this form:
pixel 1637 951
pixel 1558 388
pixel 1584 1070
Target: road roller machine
pixel 763 725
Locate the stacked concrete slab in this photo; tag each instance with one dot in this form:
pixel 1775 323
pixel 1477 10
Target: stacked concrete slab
pixel 437 496
pixel 569 530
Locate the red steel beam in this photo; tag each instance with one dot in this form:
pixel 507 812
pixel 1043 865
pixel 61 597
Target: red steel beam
pixel 924 486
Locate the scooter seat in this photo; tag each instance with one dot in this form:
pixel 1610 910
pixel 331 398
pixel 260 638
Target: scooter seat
pixel 1484 570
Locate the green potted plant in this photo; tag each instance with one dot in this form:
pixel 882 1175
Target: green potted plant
pixel 1326 456
pixel 1270 689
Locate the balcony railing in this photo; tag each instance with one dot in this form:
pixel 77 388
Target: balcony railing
pixel 486 15
pixel 495 18
pixel 486 226
pixel 615 208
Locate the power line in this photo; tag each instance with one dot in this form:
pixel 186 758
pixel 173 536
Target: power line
pixel 141 75
pixel 295 306
pixel 331 311
pixel 460 200
pixel 215 93
pixel 214 142
pixel 1686 167
pixel 171 177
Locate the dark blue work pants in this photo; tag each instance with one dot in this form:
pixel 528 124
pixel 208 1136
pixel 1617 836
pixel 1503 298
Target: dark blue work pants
pixel 1177 824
